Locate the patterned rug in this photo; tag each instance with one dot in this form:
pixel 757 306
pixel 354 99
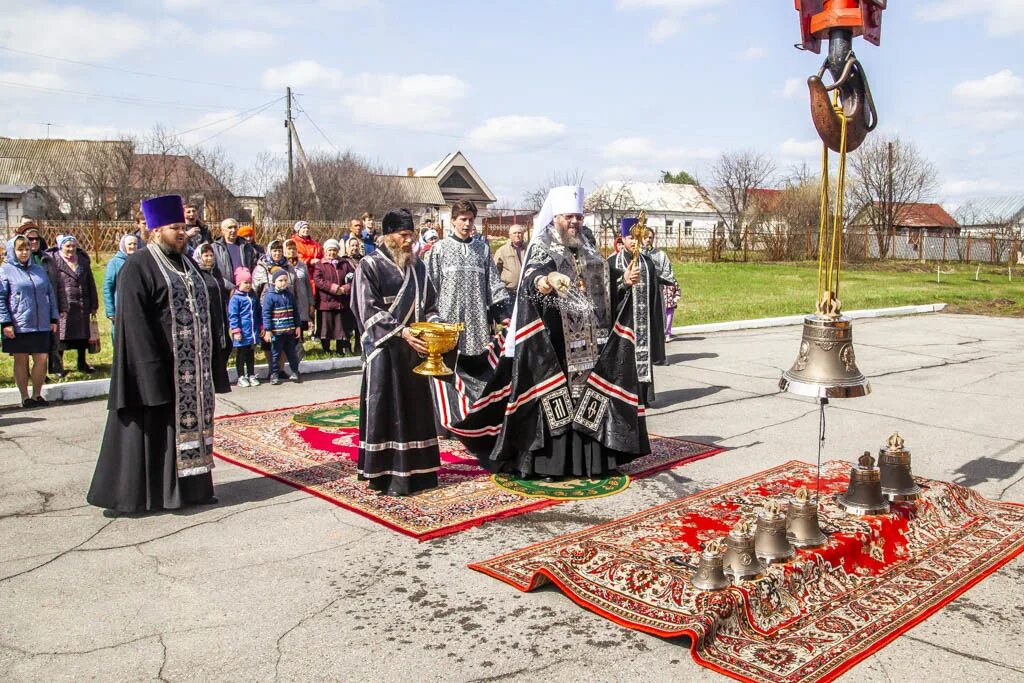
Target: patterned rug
pixel 568 489
pixel 315 448
pixel 808 620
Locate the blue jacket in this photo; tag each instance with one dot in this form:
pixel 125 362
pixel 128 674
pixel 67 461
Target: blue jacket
pixel 279 316
pixel 369 245
pixel 27 300
pixel 110 282
pixel 244 318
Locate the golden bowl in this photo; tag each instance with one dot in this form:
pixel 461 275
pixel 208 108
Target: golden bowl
pixel 440 338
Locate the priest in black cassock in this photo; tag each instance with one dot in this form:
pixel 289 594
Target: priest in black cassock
pixel 398 449
pixel 641 281
pixel 157 450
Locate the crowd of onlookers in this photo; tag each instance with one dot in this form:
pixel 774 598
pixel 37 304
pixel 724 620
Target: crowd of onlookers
pixel 269 297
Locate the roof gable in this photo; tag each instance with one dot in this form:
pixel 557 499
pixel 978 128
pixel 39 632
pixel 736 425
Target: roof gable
pixel 456 162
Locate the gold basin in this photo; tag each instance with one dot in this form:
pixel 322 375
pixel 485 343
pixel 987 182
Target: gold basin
pixel 440 338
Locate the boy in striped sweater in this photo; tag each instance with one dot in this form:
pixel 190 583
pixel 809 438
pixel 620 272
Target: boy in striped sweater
pixel 281 325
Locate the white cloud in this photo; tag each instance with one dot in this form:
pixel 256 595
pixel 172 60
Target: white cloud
pixel 304 74
pixel 1004 85
pixel 664 29
pixel 32 79
pixel 753 53
pixel 421 101
pixel 641 149
pixel 234 40
pixel 800 148
pixel 1002 17
pixel 78 33
pixel 989 120
pixel 628 172
pixel 504 133
pixel 793 88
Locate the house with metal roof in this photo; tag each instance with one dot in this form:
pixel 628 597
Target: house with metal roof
pixel 20 201
pixel 992 215
pixel 430 191
pixel 673 210
pixel 920 218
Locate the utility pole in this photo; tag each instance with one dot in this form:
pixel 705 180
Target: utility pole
pixel 288 127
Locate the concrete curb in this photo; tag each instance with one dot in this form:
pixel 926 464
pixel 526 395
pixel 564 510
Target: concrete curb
pixel 734 325
pixel 94 388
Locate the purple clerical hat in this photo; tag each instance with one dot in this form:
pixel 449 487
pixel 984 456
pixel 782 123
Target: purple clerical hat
pixel 627 224
pixel 161 211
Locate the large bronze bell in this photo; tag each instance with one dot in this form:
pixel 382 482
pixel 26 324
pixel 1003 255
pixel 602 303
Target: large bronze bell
pixel 826 366
pixel 898 483
pixel 802 526
pixel 741 563
pixel 863 496
pixel 770 542
pixel 710 575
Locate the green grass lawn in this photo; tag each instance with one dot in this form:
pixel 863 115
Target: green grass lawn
pixel 718 292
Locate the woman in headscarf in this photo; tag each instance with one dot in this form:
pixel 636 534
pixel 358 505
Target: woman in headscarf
pixel 333 277
pixel 78 292
pixel 274 258
pixel 220 338
pixel 125 248
pixel 427 240
pixel 28 316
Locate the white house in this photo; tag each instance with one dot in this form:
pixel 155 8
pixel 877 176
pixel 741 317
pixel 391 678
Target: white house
pixel 432 190
pixel 674 211
pixel 1002 216
pixel 18 201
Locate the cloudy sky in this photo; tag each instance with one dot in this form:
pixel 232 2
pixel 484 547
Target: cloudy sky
pixel 612 88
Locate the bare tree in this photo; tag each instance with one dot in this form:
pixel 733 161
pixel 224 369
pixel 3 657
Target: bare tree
pixel 609 204
pixel 735 174
pixel 886 175
pixel 781 220
pixel 534 199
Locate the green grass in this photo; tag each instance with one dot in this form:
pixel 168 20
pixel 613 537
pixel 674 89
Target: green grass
pixel 718 292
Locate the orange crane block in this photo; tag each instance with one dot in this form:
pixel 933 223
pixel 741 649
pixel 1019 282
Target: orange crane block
pixel 819 17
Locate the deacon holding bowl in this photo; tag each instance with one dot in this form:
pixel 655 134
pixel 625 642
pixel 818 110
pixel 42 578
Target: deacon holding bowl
pixel 157 450
pixel 398 449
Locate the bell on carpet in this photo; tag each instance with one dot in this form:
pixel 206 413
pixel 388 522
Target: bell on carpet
pixel 802 522
pixel 710 575
pixel 770 542
pixel 826 366
pixel 898 483
pixel 863 496
pixel 741 563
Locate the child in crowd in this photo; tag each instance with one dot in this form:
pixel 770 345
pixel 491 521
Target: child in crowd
pixel 281 325
pixel 246 324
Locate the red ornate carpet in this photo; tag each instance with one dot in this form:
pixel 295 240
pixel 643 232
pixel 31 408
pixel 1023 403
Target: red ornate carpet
pixel 808 620
pixel 315 448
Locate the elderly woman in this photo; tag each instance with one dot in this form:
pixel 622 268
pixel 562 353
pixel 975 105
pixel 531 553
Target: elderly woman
pixel 333 278
pixel 77 290
pixel 125 248
pixel 28 316
pixel 261 273
pixel 427 240
pixel 220 337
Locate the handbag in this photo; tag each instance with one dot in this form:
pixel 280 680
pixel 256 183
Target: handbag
pixel 94 336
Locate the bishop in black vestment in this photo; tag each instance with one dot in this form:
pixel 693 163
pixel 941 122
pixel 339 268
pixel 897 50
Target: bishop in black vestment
pixel 157 450
pixel 398 449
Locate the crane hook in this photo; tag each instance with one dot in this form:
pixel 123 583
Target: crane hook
pixel 855 99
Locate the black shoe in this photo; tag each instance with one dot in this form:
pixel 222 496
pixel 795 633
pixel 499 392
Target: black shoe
pixel 88 369
pixel 275 381
pixel 60 374
pixel 28 403
pixel 40 401
pixel 551 480
pixel 212 500
pixel 295 378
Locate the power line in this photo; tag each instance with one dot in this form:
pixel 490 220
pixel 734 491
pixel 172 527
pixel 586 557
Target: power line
pixel 233 116
pixel 116 98
pixel 240 122
pixel 132 72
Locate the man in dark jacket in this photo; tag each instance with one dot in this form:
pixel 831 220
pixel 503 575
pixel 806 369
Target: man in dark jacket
pixel 40 257
pixel 232 251
pixel 195 229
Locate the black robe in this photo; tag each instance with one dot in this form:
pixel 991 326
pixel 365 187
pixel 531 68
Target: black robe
pixel 398 447
pixel 137 466
pixel 220 335
pixel 542 413
pixel 649 327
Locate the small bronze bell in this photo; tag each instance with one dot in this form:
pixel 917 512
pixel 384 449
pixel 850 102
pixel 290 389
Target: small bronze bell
pixel 826 366
pixel 770 542
pixel 863 496
pixel 709 575
pixel 741 563
pixel 802 521
pixel 898 483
